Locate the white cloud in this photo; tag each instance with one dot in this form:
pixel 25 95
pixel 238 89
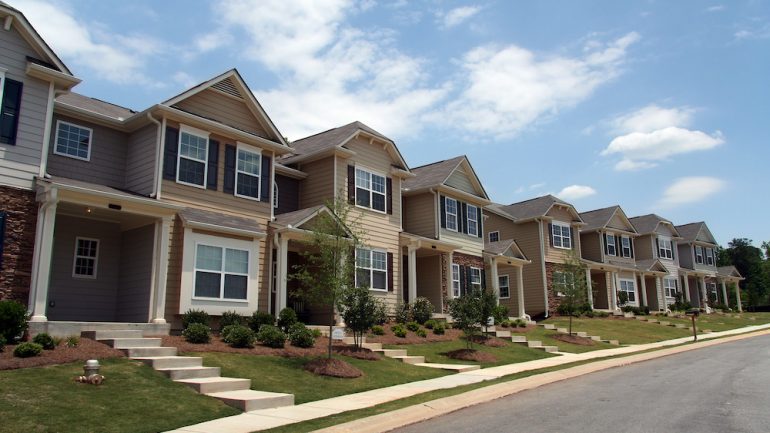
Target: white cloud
pixel 631 165
pixel 755 32
pixel 575 192
pixel 532 187
pixel 687 190
pixel 643 149
pixel 715 8
pixel 506 89
pixel 652 118
pixel 457 16
pixel 184 79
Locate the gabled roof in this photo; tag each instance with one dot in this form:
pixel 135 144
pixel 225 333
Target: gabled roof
pixel 600 218
pixel 96 106
pixel 534 208
pixel 729 271
pixel 506 248
pixel 645 224
pixel 295 219
pixel 34 39
pixel 651 265
pixel 689 232
pixel 221 222
pixel 437 173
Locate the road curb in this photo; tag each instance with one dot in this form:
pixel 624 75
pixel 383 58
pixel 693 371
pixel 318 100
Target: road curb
pixel 442 406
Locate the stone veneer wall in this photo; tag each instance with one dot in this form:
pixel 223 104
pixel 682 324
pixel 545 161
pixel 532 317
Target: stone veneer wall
pixel 553 300
pixel 18 243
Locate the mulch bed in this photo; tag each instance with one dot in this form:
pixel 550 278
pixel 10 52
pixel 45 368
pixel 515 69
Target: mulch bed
pixel 85 350
pixel 471 355
pixel 411 337
pixel 333 367
pixel 216 345
pixel 518 330
pixel 574 339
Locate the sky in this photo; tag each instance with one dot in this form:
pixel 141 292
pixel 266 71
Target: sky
pixel 657 106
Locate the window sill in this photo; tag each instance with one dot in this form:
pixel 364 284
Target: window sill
pixel 191 184
pixel 200 298
pixel 66 155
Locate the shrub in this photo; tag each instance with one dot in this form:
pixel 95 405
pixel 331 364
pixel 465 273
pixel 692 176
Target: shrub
pixel 439 329
pixel 45 341
pixel 27 350
pixel 602 314
pixel 521 323
pixel 720 306
pixel 259 318
pixel 403 312
pixel 286 318
pixel 271 336
pixel 230 318
pixel 73 341
pixel 197 333
pixel 378 330
pixel 195 316
pixel 224 333
pixel 500 313
pixel 13 320
pixel 2 343
pixel 430 323
pixel 240 336
pixel 422 310
pixel 505 323
pixel 301 336
pixel 316 333
pixel 358 307
pixel 422 333
pixel 413 326
pixel 380 313
pixel 399 331
pixel 590 313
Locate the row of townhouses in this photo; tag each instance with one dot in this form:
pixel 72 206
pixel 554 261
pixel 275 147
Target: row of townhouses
pixel 114 215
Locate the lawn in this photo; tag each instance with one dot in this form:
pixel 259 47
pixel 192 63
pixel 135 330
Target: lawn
pixel 627 331
pixel 133 398
pixel 546 336
pixel 724 322
pixel 278 374
pixel 509 353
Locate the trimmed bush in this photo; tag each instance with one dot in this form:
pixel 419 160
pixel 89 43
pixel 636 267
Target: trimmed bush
pixel 230 318
pixel 422 333
pixel 430 323
pixel 224 333
pixel 271 336
pixel 316 333
pixel 197 333
pixel 45 340
pixel 505 323
pixel 240 336
pixel 381 313
pixel 500 313
pixel 13 320
pixel 413 326
pixel 300 336
pixel 195 316
pixel 403 312
pixel 286 318
pixel 27 350
pixel 378 330
pixel 399 331
pixel 521 323
pixel 439 329
pixel 259 318
pixel 422 310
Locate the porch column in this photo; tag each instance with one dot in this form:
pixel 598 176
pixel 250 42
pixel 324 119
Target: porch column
pixel 495 279
pixel 162 233
pixel 738 296
pixel 615 288
pixel 412 258
pixel 703 295
pixel 661 296
pixel 644 291
pixel 686 288
pixel 282 263
pixel 724 293
pixel 41 258
pixel 520 290
pixel 449 259
pixel 608 283
pixel 590 288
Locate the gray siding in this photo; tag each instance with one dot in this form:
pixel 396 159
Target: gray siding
pixel 133 302
pixel 686 255
pixel 140 160
pixel 288 194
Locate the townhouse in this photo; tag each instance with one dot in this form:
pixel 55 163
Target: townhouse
pixel 658 239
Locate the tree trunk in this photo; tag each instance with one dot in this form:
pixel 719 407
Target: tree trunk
pixel 570 324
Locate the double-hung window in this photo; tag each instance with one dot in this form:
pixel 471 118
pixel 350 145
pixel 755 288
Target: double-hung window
pixel 611 247
pixel 455 280
pixel 561 281
pixel 628 287
pixel 505 288
pixel 561 235
pixel 669 287
pixel 220 272
pixel 370 190
pixel 665 249
pixel 371 269
pixel 86 258
pixel 710 256
pixel 73 141
pixel 625 246
pixel 451 214
pixel 699 254
pixel 494 236
pixel 473 220
pixel 193 157
pixel 247 174
pixel 275 196
pixel 475 278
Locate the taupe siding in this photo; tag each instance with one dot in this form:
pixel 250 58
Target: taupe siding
pixel 134 286
pixel 592 246
pixel 140 160
pixel 20 162
pixel 228 110
pixel 318 187
pixel 512 303
pixel 686 255
pixel 429 279
pixel 528 238
pixel 618 223
pixel 108 156
pixel 460 180
pixel 174 275
pixel 420 214
pixel 288 194
pixel 559 255
pixel 644 247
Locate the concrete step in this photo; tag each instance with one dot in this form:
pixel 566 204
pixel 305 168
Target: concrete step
pixel 562 330
pixel 390 353
pixel 641 318
pixel 372 346
pixel 534 343
pixel 518 339
pixel 351 340
pixel 549 349
pixel 115 333
pixel 126 343
pixel 548 326
pixel 629 315
pixel 501 334
pixel 581 334
pixel 178 373
pixel 207 385
pixel 664 323
pixel 159 362
pixel 410 359
pixel 595 338
pixel 612 342
pixel 248 400
pixel 143 352
pixel 458 368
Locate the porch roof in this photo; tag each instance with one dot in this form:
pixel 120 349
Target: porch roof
pixel 219 222
pixel 506 249
pixel 639 266
pixel 407 239
pixel 729 272
pixel 293 221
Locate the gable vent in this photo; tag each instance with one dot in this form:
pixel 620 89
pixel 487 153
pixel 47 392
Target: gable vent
pixel 227 86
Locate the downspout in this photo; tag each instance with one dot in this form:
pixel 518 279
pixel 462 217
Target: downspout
pixel 156 181
pixel 542 263
pixel 52 94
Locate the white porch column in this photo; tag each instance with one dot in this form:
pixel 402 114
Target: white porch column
pixel 282 264
pixel 608 283
pixel 661 296
pixel 590 288
pixel 615 288
pixel 412 258
pixel 703 294
pixel 41 259
pixel 162 234
pixel 738 296
pixel 520 290
pixel 449 257
pixel 686 288
pixel 644 290
pixel 724 293
pixel 495 279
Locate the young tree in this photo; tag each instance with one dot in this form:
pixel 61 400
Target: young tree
pixel 359 310
pixel 574 288
pixel 487 307
pixel 466 311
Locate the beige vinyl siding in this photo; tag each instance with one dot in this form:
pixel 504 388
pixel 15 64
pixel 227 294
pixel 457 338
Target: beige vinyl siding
pixel 107 162
pixel 664 230
pixel 429 280
pixel 496 223
pixel 135 285
pixel 592 246
pixel 618 223
pixel 174 274
pixel 512 303
pixel 559 213
pixel 226 109
pixel 420 214
pixel 318 187
pixel 528 238
pixel 459 179
pixel 644 247
pixel 20 163
pixel 472 245
pixel 559 255
pixel 140 160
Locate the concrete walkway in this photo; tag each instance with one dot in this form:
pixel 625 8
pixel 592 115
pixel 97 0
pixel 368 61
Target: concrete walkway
pixel 269 418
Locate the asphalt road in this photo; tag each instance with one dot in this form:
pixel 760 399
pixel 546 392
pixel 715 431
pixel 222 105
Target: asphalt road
pixel 720 389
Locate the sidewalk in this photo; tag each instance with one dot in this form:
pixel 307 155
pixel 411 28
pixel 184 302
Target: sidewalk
pixel 270 418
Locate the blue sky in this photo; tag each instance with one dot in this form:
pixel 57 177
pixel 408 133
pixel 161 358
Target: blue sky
pixel 657 106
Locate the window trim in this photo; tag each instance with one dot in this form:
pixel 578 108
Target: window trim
pixel 614 244
pixel 275 195
pixel 371 191
pixel 710 257
pixel 674 286
pixel 635 302
pixel 565 283
pixel 248 149
pixel 56 141
pixel 222 273
pixel 623 247
pixel 75 257
pixel 2 84
pixel 456 292
pixel 455 214
pixel 497 233
pixel 470 278
pixel 372 269
pixel 184 129
pixel 561 226
pixel 661 247
pixel 468 220
pixel 507 285
pixel 699 255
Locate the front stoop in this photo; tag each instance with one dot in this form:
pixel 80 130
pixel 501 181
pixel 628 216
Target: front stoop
pixel 248 400
pixel 208 385
pixel 406 359
pixel 391 353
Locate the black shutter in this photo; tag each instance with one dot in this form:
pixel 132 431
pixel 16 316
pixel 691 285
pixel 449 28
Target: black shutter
pixel 389 195
pixel 442 206
pixel 631 244
pixel 657 247
pixel 390 272
pixel 481 218
pixel 230 157
pixel 264 181
pixel 351 184
pixel 3 216
pixel 463 219
pixel 9 111
pixel 170 153
pixel 673 248
pixel 405 263
pixel 484 278
pixel 550 233
pixel 606 245
pixel 463 281
pixel 213 165
pixel 572 238
pixel 468 286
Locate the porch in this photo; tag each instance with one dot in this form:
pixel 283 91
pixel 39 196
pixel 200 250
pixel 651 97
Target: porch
pixel 426 270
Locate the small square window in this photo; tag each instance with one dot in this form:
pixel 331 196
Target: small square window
pixel 494 236
pixel 73 141
pixel 86 257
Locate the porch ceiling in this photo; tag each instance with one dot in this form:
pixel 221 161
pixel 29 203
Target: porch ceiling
pixel 126 220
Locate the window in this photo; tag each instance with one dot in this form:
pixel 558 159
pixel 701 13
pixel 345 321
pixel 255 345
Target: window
pixel 710 256
pixel 370 190
pixel 562 235
pixel 73 141
pixel 561 281
pixel 475 279
pixel 713 290
pixel 451 214
pixel 86 257
pixel 10 105
pixel 625 246
pixel 275 196
pixel 371 269
pixel 473 220
pixel 628 287
pixel 669 287
pixel 665 250
pixel 494 236
pixel 505 289
pixel 699 254
pixel 455 280
pixel 220 272
pixel 192 159
pixel 247 174
pixel 611 247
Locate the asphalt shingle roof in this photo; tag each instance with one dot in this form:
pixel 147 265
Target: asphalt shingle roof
pixel 293 218
pixel 328 139
pixel 646 223
pixel 531 208
pixel 689 231
pixel 220 219
pixel 431 175
pixel 598 218
pixel 96 106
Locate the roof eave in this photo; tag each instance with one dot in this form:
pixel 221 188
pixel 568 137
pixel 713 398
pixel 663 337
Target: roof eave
pixel 65 81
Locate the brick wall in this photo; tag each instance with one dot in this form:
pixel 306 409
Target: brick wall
pixel 468 260
pixel 553 300
pixel 19 242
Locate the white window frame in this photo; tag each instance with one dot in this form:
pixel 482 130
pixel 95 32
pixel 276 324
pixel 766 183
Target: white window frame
pixel 184 129
pixel 59 123
pixel 472 271
pixel 712 288
pixel 456 292
pixel 614 251
pixel 469 220
pixel 371 269
pixel 625 245
pixel 253 151
pixel 275 195
pixel 710 257
pixel 221 272
pixel 665 244
pixel 76 256
pixel 497 235
pixel 507 286
pixel 2 83
pixel 370 189
pixel 560 278
pixel 671 290
pixel 632 283
pixel 561 238
pixel 447 213
pixel 699 259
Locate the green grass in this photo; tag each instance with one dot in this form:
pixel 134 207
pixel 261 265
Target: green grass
pixel 719 322
pixel 508 354
pixel 627 331
pixel 47 399
pixel 277 374
pixel 546 336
